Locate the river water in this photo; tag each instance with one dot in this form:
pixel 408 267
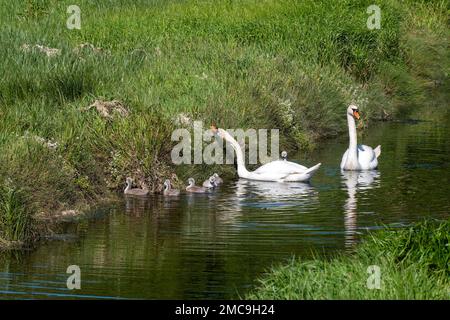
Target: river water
pixel 217 245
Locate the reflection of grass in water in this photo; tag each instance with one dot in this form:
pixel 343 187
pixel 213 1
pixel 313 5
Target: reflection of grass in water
pixel 414 264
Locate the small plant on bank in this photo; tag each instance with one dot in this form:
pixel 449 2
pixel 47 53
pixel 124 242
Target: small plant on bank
pixel 16 218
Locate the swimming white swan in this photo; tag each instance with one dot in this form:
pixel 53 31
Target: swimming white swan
pixel 278 170
pixel 358 157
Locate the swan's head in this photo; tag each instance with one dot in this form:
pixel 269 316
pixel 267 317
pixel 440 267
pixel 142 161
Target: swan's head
pixel 215 175
pixel 284 155
pixel 167 184
pixel 219 132
pixel 129 181
pixel 214 129
pixel 191 181
pixel 353 111
pixel 212 180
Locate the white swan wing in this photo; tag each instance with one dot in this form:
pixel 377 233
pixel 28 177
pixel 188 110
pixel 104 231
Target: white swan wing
pixel 304 176
pixel 377 151
pixel 344 159
pixel 281 167
pixel 367 158
pixel 284 173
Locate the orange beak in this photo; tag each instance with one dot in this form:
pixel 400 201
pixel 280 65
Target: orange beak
pixel 356 114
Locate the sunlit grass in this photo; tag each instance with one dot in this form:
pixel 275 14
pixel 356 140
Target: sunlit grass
pixel 414 264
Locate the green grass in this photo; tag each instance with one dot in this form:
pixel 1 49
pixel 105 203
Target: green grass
pixel 16 218
pixel 242 64
pixel 414 264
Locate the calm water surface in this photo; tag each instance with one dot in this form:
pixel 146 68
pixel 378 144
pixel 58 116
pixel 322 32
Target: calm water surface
pixel 216 245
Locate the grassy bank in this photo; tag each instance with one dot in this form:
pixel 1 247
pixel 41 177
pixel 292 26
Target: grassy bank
pixel 242 64
pixel 414 264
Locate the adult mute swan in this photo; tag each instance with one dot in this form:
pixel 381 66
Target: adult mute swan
pixel 358 157
pixel 278 170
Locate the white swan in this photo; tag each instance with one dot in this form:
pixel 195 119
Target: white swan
pixel 278 170
pixel 358 157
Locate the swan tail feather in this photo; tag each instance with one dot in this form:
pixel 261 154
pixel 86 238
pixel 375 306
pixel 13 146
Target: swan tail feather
pixel 313 169
pixel 308 171
pixel 377 151
pixel 301 177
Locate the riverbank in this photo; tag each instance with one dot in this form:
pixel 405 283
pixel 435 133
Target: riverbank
pixel 413 264
pixel 286 65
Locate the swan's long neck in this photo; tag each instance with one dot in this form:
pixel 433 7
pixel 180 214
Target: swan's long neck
pixel 128 187
pixel 353 144
pixel 240 159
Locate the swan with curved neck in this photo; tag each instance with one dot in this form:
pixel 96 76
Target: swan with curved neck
pixel 193 188
pixel 168 191
pixel 134 191
pixel 358 157
pixel 278 170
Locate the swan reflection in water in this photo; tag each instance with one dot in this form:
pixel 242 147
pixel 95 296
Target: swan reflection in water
pixel 136 206
pixel 273 190
pixel 267 195
pixel 356 182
